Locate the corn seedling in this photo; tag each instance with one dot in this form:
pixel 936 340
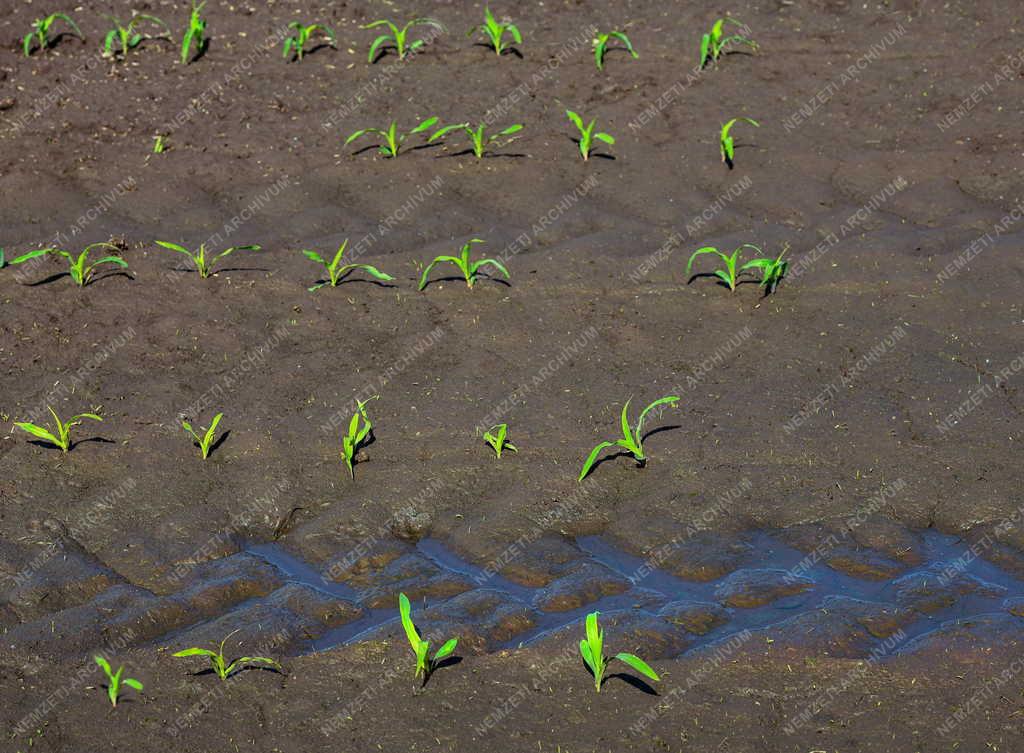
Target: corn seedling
pixel 601 46
pixel 425 665
pixel 159 145
pixel 195 34
pixel 203 265
pixel 587 134
pixel 479 139
pixel 295 45
pixel 127 37
pixel 725 141
pixel 114 680
pixel 398 37
pixel 730 274
pixel 495 32
pixel 714 42
pixel 219 664
pixel 205 442
pixel 79 268
pixel 359 431
pixel 336 271
pixel 3 259
pixel 772 270
pixel 592 651
pixel 392 140
pixel 632 438
pixel 40 33
pixel 62 436
pixel 469 269
pixel 496 438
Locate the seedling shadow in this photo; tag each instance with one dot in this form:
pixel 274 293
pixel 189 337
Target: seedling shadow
pixel 660 429
pixel 718 280
pixel 122 700
pixel 201 52
pixel 728 160
pixel 629 679
pixel 216 445
pixel 317 48
pixel 243 668
pixel 507 51
pixel 59 38
pixel 111 273
pixel 47 280
pixel 222 270
pixel 448 661
pixel 635 681
pixel 487 155
pixel 460 278
pixel 614 456
pixel 354 280
pixel 72 445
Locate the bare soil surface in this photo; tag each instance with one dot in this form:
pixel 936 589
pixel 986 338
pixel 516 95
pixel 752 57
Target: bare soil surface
pixel 824 551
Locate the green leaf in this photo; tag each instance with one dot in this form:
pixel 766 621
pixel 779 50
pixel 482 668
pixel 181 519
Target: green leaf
pixel 371 270
pixel 232 250
pixel 605 138
pixel 577 121
pixel 133 683
pixel 93 416
pixel 698 252
pixel 592 458
pixel 32 255
pixel 625 40
pixel 511 129
pixel 594 634
pixel 668 400
pixel 446 130
pixel 175 247
pixel 588 655
pixel 424 125
pixel 314 256
pixel 515 33
pixel 103 664
pixel 376 44
pixel 726 278
pixel 110 260
pixel 405 610
pixel 639 665
pixel 446 649
pixel 37 431
pixel 492 262
pixel 195 652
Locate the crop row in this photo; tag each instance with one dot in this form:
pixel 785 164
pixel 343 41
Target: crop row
pixel 591 650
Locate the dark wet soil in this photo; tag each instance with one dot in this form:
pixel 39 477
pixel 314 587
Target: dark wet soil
pixel 824 550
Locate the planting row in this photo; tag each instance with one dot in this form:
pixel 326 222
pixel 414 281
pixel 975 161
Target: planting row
pixel 360 434
pixel 591 650
pixel 122 37
pixel 82 272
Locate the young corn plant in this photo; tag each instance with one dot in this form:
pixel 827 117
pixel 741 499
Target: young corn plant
pixel 360 429
pixel 495 33
pixel 205 442
pixel 159 145
pixel 398 38
pixel 79 268
pixel 128 37
pixel 773 271
pixel 592 651
pixel 469 269
pixel 601 46
pixel 3 259
pixel 587 134
pixel 725 140
pixel 295 45
pixel 393 141
pixel 40 34
pixel 61 437
pixel 425 664
pixel 496 437
pixel 195 34
pixel 730 274
pixel 204 265
pixel 714 42
pixel 114 680
pixel 220 665
pixel 632 438
pixel 336 271
pixel 479 139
